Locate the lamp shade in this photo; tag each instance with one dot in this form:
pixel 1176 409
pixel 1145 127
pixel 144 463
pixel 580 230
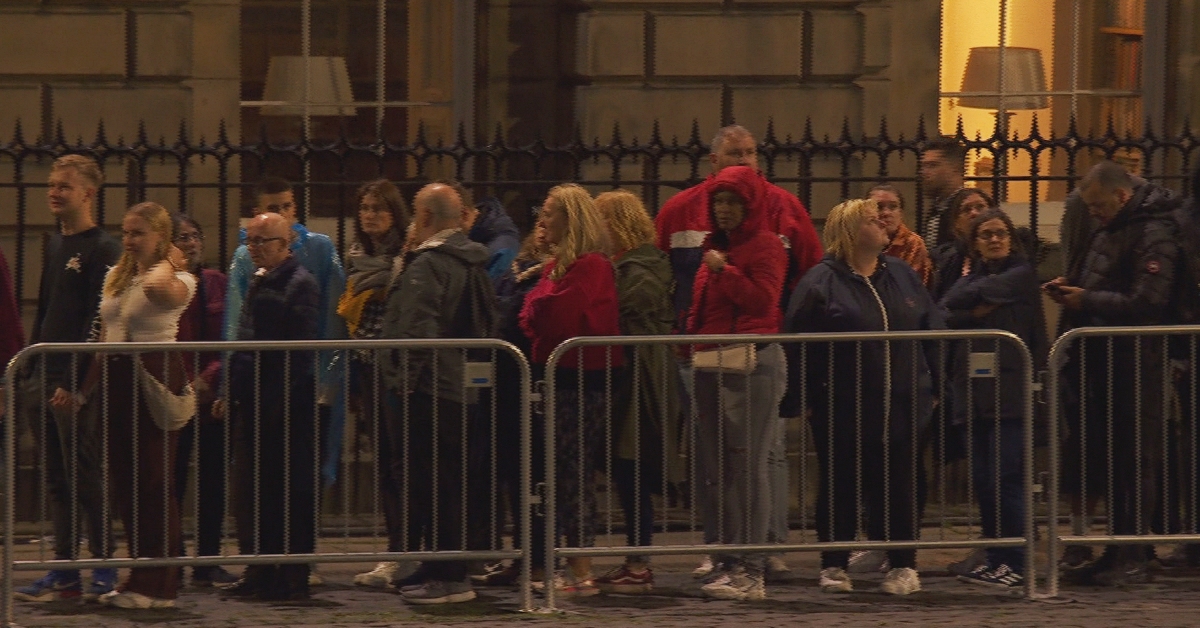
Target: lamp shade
pixel 329 82
pixel 1023 73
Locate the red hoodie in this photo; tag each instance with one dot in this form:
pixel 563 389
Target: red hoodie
pixel 684 221
pixel 583 302
pixel 744 297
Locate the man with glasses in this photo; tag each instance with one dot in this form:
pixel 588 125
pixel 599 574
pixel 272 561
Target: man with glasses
pixel 270 404
pixel 1115 406
pixel 316 253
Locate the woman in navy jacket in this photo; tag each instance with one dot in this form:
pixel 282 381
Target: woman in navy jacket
pixel 1001 291
pixel 869 401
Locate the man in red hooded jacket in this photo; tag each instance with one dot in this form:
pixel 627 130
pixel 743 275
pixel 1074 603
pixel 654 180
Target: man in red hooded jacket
pixel 682 225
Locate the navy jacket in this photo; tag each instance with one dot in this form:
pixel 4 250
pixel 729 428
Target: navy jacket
pixel 1012 286
pixel 832 298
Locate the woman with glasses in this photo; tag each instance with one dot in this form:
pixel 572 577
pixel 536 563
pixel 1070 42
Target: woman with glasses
pixel 1000 292
pixel 202 321
pixel 869 402
pixel 379 229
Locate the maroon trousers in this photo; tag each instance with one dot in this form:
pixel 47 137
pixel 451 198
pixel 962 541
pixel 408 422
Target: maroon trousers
pixel 141 457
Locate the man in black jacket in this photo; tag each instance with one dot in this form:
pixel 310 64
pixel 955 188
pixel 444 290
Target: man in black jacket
pixel 274 414
pixel 76 262
pixel 1115 407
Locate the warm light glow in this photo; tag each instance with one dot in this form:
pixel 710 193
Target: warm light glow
pixel 970 23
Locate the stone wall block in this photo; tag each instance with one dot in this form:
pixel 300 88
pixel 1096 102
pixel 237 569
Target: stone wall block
pixel 837 43
pixel 83 43
pixel 789 108
pixel 81 107
pixel 24 103
pixel 877 36
pixel 634 109
pixel 750 44
pixel 164 44
pixel 612 44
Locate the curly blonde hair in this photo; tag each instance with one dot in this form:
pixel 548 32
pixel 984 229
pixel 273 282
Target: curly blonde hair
pixel 586 232
pixel 842 224
pixel 160 222
pixel 629 225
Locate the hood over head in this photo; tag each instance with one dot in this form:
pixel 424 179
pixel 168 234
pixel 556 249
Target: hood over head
pixel 749 184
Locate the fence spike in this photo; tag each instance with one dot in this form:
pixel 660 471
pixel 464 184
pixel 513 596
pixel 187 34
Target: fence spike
pixel 498 140
pixel 18 134
pixel 60 138
pixel 807 138
pixel 920 136
pixel 694 140
pixel 655 136
pixel 101 133
pixel 769 137
pixel 222 133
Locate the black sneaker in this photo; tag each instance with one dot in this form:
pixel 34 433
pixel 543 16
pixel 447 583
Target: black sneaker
pixel 1002 577
pixel 1075 556
pixel 1123 573
pixel 212 577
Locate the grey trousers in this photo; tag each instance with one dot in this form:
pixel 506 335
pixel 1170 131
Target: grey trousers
pixel 71 444
pixel 737 420
pixel 777 528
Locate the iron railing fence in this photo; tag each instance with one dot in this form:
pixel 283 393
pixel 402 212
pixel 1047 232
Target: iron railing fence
pixel 872 462
pixel 836 165
pixel 1130 438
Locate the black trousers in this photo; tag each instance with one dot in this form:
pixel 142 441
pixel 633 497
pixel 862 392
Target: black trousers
pixel 429 469
pixel 891 490
pixel 275 470
pixel 207 438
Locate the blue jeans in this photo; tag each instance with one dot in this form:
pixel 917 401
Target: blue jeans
pixel 1000 486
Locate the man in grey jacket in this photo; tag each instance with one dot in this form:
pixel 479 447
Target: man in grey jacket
pixel 435 297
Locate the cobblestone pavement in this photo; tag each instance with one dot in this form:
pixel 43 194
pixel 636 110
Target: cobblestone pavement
pixel 1170 601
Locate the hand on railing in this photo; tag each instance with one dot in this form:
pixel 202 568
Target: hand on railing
pixel 218 409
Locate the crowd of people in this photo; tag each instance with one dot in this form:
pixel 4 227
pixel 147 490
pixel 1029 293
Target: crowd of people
pixel 734 254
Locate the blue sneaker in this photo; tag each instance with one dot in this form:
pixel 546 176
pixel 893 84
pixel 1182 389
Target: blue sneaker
pixel 57 584
pixel 104 580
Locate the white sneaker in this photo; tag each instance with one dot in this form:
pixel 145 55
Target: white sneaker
pixel 130 599
pixel 835 580
pixel 777 569
pixel 867 561
pixel 737 585
pixel 314 578
pixel 704 569
pixel 902 581
pixel 380 577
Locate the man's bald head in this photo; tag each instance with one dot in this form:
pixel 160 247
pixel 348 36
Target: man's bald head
pixel 440 206
pixel 268 239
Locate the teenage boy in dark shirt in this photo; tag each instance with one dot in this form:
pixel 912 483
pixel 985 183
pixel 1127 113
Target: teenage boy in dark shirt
pixel 76 261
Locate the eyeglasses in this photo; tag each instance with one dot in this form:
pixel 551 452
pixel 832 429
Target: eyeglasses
pixel 184 238
pixel 993 235
pixel 261 241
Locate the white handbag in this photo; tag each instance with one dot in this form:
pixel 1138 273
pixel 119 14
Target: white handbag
pixel 170 411
pixel 739 359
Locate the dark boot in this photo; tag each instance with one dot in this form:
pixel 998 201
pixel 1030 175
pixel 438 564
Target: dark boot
pixel 255 579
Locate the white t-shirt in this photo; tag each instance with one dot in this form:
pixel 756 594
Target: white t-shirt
pixel 140 320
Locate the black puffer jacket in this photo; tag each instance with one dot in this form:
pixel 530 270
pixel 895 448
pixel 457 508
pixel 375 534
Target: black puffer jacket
pixel 1130 267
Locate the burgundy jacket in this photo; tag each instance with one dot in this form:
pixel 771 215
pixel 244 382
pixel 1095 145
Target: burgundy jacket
pixel 203 320
pixel 583 302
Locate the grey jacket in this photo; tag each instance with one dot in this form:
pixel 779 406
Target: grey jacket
pixel 424 303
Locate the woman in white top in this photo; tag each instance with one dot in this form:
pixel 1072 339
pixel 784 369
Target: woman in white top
pixel 144 296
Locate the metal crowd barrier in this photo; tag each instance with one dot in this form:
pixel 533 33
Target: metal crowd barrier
pixel 714 389
pixel 1128 413
pixel 480 528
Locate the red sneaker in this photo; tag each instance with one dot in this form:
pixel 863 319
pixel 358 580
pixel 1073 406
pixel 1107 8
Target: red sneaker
pixel 625 580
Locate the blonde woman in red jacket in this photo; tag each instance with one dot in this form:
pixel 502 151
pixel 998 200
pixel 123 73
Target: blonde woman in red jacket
pixel 576 296
pixel 737 290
